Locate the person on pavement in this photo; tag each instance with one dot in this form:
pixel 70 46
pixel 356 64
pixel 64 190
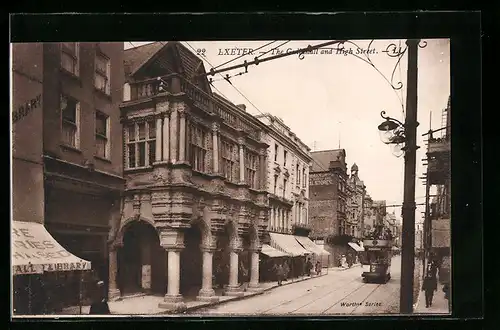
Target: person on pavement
pixel 286 271
pixel 100 304
pixel 429 286
pixel 309 267
pixel 318 267
pixel 279 273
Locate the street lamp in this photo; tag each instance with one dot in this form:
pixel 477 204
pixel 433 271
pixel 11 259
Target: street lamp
pixel 395 133
pixel 392 132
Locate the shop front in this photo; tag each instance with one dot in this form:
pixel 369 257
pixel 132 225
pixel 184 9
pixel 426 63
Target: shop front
pixel 318 254
pixel 269 258
pixel 298 255
pixel 43 270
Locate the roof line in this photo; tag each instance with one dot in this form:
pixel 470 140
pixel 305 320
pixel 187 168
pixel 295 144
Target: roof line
pixel 135 47
pixel 329 150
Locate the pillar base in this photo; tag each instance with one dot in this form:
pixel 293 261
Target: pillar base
pixel 207 295
pixel 254 287
pixel 114 295
pixel 173 303
pixel 234 291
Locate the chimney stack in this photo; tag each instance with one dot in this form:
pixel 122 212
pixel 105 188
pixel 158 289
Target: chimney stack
pixel 242 107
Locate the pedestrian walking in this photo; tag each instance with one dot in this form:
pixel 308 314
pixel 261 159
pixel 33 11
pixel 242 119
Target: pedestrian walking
pixel 99 305
pixel 318 267
pixel 429 286
pixel 309 267
pixel 286 271
pixel 279 273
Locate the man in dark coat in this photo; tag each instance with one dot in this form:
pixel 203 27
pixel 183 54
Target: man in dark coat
pixel 280 273
pixel 100 304
pixel 429 286
pixel 309 266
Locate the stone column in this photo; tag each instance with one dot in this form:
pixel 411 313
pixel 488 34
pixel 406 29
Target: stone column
pixel 254 271
pixel 241 143
pixel 215 149
pixel 172 242
pixel 207 293
pixel 166 137
pixel 182 136
pixel 173 137
pixel 158 140
pixel 113 290
pixel 233 288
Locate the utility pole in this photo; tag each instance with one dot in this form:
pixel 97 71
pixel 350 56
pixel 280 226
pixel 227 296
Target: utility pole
pixel 409 206
pixel 427 218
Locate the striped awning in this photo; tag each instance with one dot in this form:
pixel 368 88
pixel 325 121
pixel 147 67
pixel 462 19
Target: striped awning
pixel 311 246
pixel 35 251
pixel 288 244
pixel 356 247
pixel 271 252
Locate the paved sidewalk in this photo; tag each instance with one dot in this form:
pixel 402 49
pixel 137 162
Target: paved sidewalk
pixel 439 303
pixel 148 304
pixel 339 269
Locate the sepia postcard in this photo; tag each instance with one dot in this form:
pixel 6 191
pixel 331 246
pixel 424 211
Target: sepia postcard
pixel 231 178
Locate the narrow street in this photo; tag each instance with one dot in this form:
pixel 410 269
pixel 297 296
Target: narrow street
pixel 339 292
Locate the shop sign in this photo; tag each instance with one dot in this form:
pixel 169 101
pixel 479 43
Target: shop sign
pixel 26 108
pixel 52 267
pixel 35 251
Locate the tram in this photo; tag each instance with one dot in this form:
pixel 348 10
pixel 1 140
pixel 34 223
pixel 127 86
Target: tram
pixel 378 250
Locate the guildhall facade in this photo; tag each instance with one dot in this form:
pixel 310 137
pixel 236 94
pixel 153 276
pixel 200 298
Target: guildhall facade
pixel 195 206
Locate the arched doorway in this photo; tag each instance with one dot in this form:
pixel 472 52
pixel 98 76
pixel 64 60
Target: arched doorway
pixel 141 260
pixel 191 262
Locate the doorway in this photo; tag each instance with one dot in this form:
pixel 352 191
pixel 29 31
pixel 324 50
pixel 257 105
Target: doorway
pixel 141 261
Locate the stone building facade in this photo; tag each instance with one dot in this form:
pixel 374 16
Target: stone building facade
pixel 287 177
pixel 328 198
pixel 196 204
pixel 374 213
pixel 355 205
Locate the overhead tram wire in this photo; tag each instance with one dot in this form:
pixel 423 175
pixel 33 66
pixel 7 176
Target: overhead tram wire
pixel 246 98
pixel 270 50
pixel 256 61
pixel 234 59
pixel 235 89
pixel 243 96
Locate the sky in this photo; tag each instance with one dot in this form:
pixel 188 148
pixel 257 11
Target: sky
pixel 332 100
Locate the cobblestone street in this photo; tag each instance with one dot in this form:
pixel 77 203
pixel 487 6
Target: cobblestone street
pixel 339 292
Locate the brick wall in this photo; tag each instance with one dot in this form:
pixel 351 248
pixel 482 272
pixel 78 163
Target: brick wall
pixel 27 105
pixel 82 88
pixel 323 204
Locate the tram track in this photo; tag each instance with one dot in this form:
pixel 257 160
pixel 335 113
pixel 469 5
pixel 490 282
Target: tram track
pixel 327 285
pixel 332 291
pixel 297 298
pixel 363 285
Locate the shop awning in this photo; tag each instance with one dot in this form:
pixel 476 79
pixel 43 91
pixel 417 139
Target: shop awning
pixel 356 247
pixel 287 244
pixel 35 251
pixel 271 252
pixel 311 246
